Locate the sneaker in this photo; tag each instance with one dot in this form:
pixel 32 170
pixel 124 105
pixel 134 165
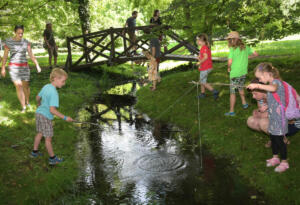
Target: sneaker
pixel 55 161
pixel 23 110
pixel 201 96
pixel 273 161
pixel 245 106
pixel 216 94
pixel 230 114
pixel 35 155
pixel 282 167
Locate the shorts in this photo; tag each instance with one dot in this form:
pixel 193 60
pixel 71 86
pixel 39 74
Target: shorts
pixel 19 73
pixel 43 125
pixel 203 76
pixel 292 130
pixel 132 37
pixel 237 83
pixel 52 51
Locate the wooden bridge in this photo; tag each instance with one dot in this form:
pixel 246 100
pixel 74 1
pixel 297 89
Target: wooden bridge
pixel 112 46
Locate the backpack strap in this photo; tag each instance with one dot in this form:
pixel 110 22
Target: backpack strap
pixel 286 93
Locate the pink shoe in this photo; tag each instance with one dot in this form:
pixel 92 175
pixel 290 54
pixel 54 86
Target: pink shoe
pixel 282 167
pixel 273 161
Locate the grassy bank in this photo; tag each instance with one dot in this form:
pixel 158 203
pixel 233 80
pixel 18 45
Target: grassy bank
pixel 228 136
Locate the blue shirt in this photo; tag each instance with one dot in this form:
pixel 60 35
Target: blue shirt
pixel 49 97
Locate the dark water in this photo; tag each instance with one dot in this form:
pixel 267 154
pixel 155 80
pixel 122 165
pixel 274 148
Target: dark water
pixel 134 160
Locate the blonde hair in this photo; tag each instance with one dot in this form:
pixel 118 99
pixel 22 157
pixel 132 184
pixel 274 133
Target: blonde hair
pixel 236 42
pixel 268 67
pixel 57 72
pixel 203 37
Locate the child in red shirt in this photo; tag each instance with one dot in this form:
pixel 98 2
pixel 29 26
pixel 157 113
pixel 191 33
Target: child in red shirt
pixel 205 65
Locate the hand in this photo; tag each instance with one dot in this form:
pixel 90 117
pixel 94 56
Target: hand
pixel 228 69
pixel 3 72
pixel 256 113
pixel 38 68
pixel 69 119
pixel 198 63
pixel 252 86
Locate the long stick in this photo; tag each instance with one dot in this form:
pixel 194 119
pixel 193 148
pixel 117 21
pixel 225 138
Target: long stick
pixel 90 123
pixel 220 84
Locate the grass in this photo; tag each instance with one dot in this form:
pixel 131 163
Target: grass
pixel 220 48
pixel 228 136
pixel 32 181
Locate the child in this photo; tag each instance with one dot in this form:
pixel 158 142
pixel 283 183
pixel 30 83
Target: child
pixel 48 101
pixel 205 65
pixel 152 72
pixel 238 68
pixel 278 124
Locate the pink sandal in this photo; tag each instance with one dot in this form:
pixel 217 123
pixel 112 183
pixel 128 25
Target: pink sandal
pixel 273 161
pixel 282 167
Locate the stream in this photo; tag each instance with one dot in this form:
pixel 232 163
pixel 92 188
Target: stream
pixel 131 159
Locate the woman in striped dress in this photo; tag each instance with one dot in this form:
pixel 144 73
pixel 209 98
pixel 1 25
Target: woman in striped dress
pixel 18 66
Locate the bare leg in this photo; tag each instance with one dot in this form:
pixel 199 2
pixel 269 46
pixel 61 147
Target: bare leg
pixel 252 123
pixel 154 85
pixel 264 124
pixel 232 101
pixel 37 141
pixel 242 95
pixel 49 146
pixel 202 88
pixel 20 92
pixel 26 89
pixel 208 86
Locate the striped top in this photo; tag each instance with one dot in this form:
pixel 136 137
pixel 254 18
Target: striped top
pixel 17 50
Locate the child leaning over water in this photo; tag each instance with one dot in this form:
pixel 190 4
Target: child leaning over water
pixel 238 68
pixel 278 124
pixel 205 65
pixel 48 102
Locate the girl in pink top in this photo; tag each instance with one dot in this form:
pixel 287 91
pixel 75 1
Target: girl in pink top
pixel 205 65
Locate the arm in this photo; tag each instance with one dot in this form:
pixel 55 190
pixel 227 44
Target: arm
pixel 46 41
pixel 270 88
pixel 55 112
pixel 229 63
pixel 153 51
pixel 254 54
pixel 203 59
pixel 4 61
pixel 32 57
pixel 38 100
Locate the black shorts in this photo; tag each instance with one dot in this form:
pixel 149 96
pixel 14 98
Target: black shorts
pixel 292 130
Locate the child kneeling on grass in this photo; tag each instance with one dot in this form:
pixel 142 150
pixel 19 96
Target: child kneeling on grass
pixel 48 101
pixel 278 123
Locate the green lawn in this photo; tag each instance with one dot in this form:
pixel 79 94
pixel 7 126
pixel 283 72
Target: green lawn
pixel 229 136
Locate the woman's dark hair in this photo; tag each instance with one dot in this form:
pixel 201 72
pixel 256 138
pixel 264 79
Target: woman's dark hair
pixel 19 27
pixel 134 13
pixel 155 12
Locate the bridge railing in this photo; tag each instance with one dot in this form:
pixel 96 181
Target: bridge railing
pixel 104 46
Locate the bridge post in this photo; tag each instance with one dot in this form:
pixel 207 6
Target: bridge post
pixel 112 47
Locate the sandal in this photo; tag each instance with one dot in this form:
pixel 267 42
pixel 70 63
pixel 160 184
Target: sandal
pixel 273 161
pixel 282 167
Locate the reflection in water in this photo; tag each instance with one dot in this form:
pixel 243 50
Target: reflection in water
pixel 136 161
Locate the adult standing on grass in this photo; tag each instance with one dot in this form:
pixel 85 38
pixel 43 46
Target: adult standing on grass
pixel 238 68
pixel 131 24
pixel 19 71
pixel 49 44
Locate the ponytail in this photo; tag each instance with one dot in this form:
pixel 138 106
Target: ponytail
pixel 268 67
pixel 204 37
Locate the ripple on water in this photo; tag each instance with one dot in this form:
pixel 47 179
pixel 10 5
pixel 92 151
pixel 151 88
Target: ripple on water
pixel 160 163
